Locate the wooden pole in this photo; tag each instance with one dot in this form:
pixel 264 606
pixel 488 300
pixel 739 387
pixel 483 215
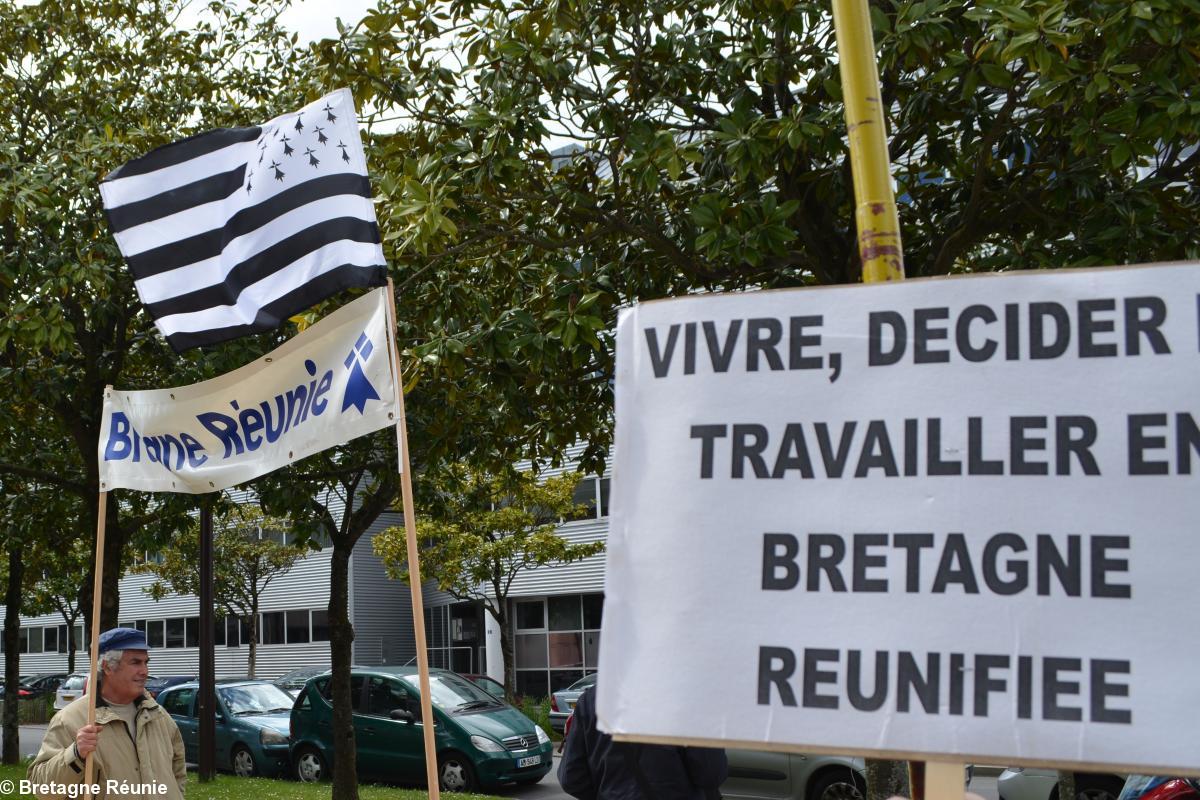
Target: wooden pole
pixel 207 695
pixel 879 245
pixel 414 562
pixel 93 685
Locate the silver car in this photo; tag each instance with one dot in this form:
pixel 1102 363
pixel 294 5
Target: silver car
pixel 562 702
pixel 759 775
pixel 71 688
pixel 1021 783
pixel 792 776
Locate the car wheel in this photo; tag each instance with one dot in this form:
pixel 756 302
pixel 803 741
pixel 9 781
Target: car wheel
pixel 310 765
pixel 455 773
pixel 837 784
pixel 1097 787
pixel 243 761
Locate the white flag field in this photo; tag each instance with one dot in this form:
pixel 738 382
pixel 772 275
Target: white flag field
pixel 231 231
pixel 953 518
pixel 326 386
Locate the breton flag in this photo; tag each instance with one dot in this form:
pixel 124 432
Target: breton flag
pixel 232 231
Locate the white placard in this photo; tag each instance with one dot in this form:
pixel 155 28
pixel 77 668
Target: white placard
pixel 326 386
pixel 954 517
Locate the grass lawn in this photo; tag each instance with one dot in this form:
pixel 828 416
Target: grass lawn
pixel 228 787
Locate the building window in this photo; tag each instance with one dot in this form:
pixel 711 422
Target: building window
pixel 232 624
pixel 562 652
pixel 176 632
pixel 320 625
pixel 50 637
pixel 297 627
pixel 35 640
pixel 272 628
pixel 154 632
pixel 605 492
pixel 219 628
pixel 191 632
pixel 585 495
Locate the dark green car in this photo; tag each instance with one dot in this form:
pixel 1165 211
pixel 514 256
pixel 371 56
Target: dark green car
pixel 481 742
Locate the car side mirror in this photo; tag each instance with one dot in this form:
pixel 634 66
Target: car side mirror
pixel 402 715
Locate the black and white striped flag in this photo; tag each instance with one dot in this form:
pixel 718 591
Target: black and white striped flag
pixel 232 231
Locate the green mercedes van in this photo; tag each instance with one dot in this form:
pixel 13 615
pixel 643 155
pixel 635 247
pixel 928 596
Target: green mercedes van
pixel 481 742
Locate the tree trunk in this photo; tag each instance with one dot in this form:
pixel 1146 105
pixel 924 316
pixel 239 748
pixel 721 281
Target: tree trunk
pixel 253 638
pixel 12 655
pixel 506 650
pixel 1066 783
pixel 110 594
pixel 887 779
pixel 341 644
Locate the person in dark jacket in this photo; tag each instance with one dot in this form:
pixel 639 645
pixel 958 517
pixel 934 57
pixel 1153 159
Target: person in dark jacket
pixel 594 767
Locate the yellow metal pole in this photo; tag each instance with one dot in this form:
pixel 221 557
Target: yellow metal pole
pixel 878 243
pixel 875 202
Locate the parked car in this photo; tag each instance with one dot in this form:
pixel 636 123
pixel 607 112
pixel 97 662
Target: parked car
pixel 252 725
pixel 1019 783
pixel 292 682
pixel 490 685
pixel 481 741
pixel 74 686
pixel 562 702
pixel 42 684
pixel 20 679
pixel 798 776
pixel 155 684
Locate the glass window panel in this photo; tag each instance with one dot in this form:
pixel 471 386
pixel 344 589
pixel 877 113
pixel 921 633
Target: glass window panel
pixel 320 625
pixel 154 632
pixel 51 639
pixel 385 695
pixel 531 615
pixel 591 649
pixel 297 627
pixel 219 631
pixel 533 683
pixel 531 650
pixel 593 608
pixel 175 632
pixel 564 613
pixel 585 495
pixel 79 641
pixel 272 627
pixel 140 625
pixel 191 632
pixel 23 639
pixel 566 650
pixel 62 638
pixel 35 640
pixel 232 626
pixel 605 492
pixel 562 678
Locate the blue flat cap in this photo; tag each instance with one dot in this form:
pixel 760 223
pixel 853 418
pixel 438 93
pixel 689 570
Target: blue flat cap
pixel 122 639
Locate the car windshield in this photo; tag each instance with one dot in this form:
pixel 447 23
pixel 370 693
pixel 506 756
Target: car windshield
pixel 452 693
pixel 254 698
pixel 75 682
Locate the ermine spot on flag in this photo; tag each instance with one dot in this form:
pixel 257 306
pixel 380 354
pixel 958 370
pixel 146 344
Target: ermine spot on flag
pixel 232 231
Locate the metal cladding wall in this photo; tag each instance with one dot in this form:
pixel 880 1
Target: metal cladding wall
pixel 380 607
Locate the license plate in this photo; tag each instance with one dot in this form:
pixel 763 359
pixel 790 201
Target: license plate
pixel 528 761
pixel 68 698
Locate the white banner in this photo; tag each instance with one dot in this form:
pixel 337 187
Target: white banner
pixel 328 385
pixel 949 517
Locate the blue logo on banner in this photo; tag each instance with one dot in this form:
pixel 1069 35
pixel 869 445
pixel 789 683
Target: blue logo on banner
pixel 358 388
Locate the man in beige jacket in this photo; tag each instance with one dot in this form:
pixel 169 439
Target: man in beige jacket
pixel 138 748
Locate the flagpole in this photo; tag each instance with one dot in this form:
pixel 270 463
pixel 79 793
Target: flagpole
pixel 414 562
pixel 93 686
pixel 879 246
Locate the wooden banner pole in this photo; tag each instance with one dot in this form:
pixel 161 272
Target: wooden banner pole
pixel 879 245
pixel 414 562
pixel 93 684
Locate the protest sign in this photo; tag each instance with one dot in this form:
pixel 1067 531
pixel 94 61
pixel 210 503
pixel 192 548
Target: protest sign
pixel 953 518
pixel 326 386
